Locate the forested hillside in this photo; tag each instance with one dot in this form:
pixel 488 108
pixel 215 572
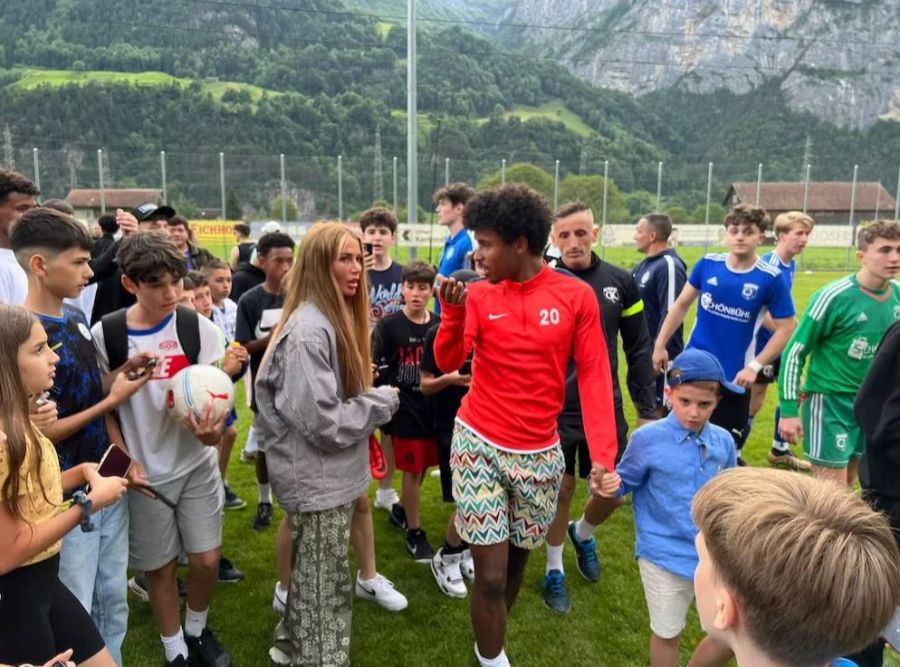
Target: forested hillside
pixel 314 80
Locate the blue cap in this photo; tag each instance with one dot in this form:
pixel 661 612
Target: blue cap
pixel 694 365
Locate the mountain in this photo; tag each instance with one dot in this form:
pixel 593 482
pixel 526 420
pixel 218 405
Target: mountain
pixel 314 79
pixel 836 59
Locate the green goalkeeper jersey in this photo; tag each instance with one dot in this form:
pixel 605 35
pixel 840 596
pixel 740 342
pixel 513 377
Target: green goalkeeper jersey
pixel 839 333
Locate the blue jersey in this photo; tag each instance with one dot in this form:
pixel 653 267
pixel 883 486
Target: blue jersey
pixel 732 306
pixel 76 386
pixel 788 270
pixel 453 257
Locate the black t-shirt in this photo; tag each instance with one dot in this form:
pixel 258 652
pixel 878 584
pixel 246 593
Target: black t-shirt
pixel 76 386
pixel 245 252
pixel 258 313
pixel 385 291
pixel 443 405
pixel 398 345
pixel 245 279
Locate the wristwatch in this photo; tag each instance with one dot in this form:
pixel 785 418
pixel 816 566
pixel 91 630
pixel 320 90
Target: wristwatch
pixel 87 506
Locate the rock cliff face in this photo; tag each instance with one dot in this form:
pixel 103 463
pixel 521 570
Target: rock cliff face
pixel 838 59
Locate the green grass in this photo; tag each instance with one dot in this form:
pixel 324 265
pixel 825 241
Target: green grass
pixel 607 627
pixel 556 111
pixel 32 78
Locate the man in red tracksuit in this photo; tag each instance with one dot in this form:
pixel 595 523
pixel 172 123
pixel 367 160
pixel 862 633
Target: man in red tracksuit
pixel 524 323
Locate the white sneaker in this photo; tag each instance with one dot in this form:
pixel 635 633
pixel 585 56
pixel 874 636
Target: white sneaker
pixel 447 575
pixel 386 499
pixel 281 650
pixel 436 472
pixel 382 591
pixel 467 566
pixel 279 599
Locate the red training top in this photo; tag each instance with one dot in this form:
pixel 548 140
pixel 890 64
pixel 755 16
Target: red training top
pixel 523 336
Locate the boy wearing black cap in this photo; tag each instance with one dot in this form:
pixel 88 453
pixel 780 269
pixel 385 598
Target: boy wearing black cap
pixel 665 464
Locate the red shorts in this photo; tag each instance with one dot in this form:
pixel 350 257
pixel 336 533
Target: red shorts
pixel 415 454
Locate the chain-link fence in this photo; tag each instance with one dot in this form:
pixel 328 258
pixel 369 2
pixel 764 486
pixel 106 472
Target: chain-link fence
pixel 213 185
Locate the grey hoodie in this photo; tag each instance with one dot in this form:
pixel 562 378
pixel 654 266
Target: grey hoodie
pixel 317 439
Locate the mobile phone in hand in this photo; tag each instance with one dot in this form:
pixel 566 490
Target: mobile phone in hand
pixel 115 462
pixel 369 248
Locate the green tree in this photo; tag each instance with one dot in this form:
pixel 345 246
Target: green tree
pixel 678 214
pixel 521 172
pixel 640 202
pixel 233 209
pixel 716 213
pixel 589 189
pixel 290 209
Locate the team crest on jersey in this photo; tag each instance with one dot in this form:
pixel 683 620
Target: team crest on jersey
pixel 750 291
pixel 645 278
pixel 840 441
pixel 86 333
pixel 897 312
pixel 611 294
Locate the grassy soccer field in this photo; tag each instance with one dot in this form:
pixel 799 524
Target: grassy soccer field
pixel 608 624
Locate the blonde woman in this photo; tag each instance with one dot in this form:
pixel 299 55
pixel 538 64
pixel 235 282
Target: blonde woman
pixel 317 408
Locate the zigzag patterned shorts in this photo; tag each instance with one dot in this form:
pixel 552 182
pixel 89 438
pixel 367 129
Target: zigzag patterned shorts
pixel 503 495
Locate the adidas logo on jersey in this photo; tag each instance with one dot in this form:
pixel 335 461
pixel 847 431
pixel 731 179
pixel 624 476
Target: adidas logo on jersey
pixel 713 281
pixel 862 318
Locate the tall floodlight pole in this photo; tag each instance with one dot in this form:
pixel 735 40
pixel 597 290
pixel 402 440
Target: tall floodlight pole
pixel 412 153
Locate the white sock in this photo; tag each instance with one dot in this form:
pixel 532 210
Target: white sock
pixel 365 582
pixel 500 661
pixel 554 557
pixel 175 646
pixel 251 445
pixel 194 621
pixel 265 493
pixel 584 530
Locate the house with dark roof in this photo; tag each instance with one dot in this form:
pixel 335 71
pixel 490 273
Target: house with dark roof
pixel 828 202
pixel 89 204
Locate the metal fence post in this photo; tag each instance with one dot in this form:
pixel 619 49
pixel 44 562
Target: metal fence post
pixel 222 183
pixel 102 186
pixel 340 184
pixel 503 175
pixel 283 189
pixel 37 168
pixel 659 169
pixel 556 186
pixel 852 211
pixel 162 173
pixel 759 170
pixel 709 175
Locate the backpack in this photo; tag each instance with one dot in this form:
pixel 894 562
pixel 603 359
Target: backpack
pixel 115 335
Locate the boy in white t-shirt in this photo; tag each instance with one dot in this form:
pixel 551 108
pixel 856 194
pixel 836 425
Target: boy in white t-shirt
pixel 180 459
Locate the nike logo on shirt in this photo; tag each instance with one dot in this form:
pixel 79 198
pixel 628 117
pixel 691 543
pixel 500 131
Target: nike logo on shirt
pixel 496 316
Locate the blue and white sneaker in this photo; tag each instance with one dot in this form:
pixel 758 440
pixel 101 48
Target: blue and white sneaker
pixel 585 555
pixel 555 594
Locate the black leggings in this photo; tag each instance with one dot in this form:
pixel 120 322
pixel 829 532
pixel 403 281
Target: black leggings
pixel 40 618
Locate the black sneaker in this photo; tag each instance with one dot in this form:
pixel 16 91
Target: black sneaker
pixel 418 546
pixel 228 573
pixel 397 516
pixel 208 650
pixel 263 518
pixel 180 661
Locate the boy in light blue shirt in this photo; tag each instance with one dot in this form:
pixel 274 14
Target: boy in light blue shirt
pixel 665 464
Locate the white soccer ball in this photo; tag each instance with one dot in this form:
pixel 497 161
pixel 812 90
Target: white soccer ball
pixel 192 387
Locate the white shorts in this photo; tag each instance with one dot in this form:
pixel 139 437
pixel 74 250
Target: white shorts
pixel 668 599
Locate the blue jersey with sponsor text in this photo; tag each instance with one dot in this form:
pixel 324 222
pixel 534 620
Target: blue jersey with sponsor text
pixel 788 270
pixel 731 307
